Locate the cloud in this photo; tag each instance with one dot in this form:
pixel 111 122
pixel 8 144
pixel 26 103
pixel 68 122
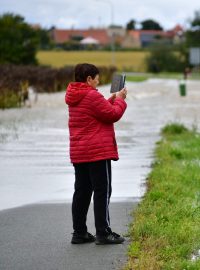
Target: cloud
pixel 85 13
pixel 64 22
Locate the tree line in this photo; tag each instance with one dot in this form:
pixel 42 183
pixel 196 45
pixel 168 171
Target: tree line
pixel 145 25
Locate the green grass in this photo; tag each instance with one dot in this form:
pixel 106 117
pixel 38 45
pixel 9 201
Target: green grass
pixel 165 232
pixel 168 75
pixel 145 76
pixel 136 78
pixel 162 75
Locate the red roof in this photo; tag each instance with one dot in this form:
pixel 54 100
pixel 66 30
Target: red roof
pixel 177 28
pixel 174 31
pixel 61 36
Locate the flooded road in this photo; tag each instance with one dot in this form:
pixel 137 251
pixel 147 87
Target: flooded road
pixel 34 156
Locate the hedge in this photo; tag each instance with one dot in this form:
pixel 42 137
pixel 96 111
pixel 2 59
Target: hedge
pixel 13 78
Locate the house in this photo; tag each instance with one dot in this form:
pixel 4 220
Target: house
pixel 124 38
pixel 147 37
pixel 60 36
pixel 176 34
pixel 131 39
pixel 144 38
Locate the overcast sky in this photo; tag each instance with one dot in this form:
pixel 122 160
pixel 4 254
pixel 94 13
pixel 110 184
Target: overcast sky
pixel 98 13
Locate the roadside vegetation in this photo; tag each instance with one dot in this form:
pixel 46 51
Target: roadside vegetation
pixel 165 232
pixel 137 78
pixel 9 99
pixel 15 81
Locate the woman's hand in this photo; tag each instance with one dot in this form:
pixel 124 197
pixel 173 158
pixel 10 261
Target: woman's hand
pixel 122 93
pixel 113 96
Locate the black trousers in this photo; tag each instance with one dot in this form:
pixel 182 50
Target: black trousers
pixel 92 177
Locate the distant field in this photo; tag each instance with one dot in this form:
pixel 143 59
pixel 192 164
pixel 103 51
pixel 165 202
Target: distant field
pixel 127 61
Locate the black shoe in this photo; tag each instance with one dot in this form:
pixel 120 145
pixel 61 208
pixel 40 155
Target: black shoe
pixel 111 238
pixel 82 238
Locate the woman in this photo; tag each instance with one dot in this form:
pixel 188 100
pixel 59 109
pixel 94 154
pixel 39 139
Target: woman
pixel 92 147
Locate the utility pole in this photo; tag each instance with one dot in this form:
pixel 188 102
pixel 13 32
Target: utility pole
pixel 112 34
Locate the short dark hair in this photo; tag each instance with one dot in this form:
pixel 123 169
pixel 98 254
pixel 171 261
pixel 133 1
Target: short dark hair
pixel 82 71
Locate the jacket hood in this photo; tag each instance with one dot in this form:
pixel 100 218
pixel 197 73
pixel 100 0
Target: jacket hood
pixel 76 91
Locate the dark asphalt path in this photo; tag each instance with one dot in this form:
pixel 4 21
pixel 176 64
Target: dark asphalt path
pixel 37 237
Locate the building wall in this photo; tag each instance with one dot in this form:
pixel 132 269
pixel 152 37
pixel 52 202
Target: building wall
pixel 131 42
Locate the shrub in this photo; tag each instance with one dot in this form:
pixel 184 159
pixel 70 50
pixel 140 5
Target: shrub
pixel 9 99
pixel 43 79
pixel 174 128
pixel 163 58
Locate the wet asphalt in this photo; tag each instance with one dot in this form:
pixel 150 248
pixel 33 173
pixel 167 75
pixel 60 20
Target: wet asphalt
pixel 37 237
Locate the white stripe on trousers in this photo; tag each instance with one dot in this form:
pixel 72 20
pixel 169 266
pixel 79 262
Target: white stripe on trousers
pixel 108 189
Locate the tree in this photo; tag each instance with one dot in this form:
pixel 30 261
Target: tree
pixel 44 39
pixel 162 57
pixel 196 20
pixel 19 41
pixel 193 34
pixel 151 25
pixel 131 25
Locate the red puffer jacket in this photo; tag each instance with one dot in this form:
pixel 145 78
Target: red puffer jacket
pixel 91 119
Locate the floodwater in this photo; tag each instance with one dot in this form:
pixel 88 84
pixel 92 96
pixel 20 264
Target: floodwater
pixel 34 146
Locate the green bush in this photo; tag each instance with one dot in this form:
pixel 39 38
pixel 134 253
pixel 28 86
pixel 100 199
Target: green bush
pixel 162 57
pixel 173 129
pixel 9 99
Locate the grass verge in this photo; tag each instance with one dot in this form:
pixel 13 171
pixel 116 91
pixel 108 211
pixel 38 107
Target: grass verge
pixel 136 78
pixel 165 233
pixel 162 75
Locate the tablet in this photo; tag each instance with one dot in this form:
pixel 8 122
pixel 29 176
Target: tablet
pixel 118 82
